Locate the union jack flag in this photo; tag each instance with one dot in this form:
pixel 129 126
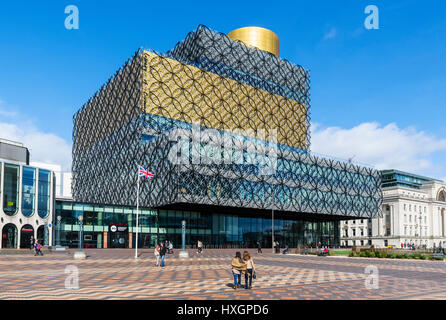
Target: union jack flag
pixel 146 173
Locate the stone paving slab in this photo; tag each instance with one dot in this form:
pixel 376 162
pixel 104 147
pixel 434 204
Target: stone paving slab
pixel 116 274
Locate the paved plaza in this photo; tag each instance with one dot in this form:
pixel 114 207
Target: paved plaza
pixel 116 274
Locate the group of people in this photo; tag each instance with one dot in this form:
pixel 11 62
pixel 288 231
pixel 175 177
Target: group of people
pixel 34 244
pixel 244 266
pixel 160 252
pixel 408 246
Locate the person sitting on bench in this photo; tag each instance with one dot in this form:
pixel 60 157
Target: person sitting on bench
pixel 285 251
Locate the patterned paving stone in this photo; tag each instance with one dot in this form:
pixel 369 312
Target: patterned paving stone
pixel 115 274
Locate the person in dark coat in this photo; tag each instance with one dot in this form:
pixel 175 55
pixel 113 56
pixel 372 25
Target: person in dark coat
pixel 163 250
pixel 32 242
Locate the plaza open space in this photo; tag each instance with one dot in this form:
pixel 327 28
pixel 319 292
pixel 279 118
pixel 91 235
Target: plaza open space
pixel 116 274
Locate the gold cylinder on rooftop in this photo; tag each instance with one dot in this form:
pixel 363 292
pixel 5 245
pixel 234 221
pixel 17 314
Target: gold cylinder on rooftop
pixel 258 37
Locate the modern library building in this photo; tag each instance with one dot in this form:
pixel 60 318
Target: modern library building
pixel 224 123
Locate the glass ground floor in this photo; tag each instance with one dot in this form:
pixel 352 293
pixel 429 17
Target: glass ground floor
pixel 115 227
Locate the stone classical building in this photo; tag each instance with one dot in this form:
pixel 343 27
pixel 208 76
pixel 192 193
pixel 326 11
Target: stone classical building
pixel 413 213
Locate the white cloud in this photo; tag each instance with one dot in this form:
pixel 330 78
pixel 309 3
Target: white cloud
pixel 9 114
pixel 384 147
pixel 43 147
pixel 331 34
pixel 6 113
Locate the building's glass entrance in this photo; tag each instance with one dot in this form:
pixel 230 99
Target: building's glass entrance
pixel 9 236
pixel 26 233
pixel 119 236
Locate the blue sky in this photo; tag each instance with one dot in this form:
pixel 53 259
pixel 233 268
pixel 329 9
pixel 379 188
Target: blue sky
pixel 377 95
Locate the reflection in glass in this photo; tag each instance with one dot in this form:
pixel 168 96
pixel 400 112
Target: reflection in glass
pixel 43 206
pixel 213 229
pixel 11 189
pixel 28 190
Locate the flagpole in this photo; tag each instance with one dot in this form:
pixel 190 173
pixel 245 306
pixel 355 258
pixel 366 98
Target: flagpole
pixel 137 215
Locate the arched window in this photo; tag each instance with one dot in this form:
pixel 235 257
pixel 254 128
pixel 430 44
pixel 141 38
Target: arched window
pixel 9 236
pixel 11 189
pixel 43 206
pixel 441 196
pixel 28 190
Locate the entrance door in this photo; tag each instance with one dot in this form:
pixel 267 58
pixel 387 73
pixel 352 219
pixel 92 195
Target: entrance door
pixel 118 236
pixel 26 233
pixel 41 236
pixel 9 236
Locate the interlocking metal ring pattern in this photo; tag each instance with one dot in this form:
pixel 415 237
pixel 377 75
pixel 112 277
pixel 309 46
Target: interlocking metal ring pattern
pixel 217 83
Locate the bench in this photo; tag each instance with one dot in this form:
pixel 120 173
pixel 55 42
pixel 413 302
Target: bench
pixel 304 251
pixel 323 254
pixel 438 255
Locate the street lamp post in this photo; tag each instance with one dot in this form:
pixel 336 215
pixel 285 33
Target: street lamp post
pixel 80 218
pixel 272 222
pixel 183 253
pixel 80 255
pixel 58 230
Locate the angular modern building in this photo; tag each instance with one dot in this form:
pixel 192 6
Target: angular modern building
pixel 224 123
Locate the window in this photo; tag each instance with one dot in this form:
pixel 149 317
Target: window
pixel 28 190
pixel 354 232
pixel 410 207
pixel 43 206
pixel 10 189
pixel 362 232
pixel 404 207
pixel 410 218
pixel 405 218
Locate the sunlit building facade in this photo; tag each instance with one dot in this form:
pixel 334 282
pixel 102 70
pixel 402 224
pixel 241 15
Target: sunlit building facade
pixel 414 213
pixel 27 205
pixel 224 124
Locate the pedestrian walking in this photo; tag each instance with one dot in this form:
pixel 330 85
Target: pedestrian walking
pixel 250 269
pixel 157 255
pixel 238 266
pixel 259 247
pixel 200 246
pixel 38 249
pixel 162 254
